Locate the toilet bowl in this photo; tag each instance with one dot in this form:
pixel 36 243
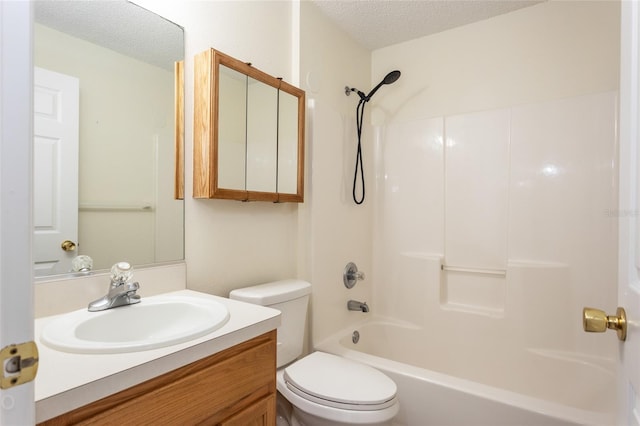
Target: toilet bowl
pixel 323 389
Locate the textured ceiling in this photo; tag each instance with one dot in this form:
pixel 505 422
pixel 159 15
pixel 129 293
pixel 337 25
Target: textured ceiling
pixel 380 23
pixel 117 25
pixel 133 31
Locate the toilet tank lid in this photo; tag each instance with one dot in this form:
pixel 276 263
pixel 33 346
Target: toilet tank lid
pixel 272 292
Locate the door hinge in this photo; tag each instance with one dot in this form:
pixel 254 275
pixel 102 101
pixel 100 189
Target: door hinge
pixel 19 364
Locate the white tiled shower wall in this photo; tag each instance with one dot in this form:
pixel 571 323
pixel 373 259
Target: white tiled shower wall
pixel 529 190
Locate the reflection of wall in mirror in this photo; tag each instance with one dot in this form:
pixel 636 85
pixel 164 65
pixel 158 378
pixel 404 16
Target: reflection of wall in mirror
pixel 232 113
pixel 262 137
pixel 288 144
pixel 126 151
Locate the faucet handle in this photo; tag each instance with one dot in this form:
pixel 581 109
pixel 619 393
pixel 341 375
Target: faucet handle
pixel 82 263
pixel 351 275
pixel 121 272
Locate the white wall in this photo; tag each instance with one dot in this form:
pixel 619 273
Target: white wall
pixel 339 230
pixel 498 151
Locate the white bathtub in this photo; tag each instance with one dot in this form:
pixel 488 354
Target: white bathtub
pixel 461 385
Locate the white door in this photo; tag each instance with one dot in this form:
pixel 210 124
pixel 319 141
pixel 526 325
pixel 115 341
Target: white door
pixel 16 276
pixel 55 161
pixel 629 231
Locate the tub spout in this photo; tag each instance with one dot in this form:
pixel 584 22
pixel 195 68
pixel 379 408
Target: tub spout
pixel 354 305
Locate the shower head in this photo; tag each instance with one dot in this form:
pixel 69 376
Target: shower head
pixel 392 77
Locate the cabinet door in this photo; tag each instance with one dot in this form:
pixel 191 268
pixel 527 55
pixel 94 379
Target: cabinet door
pixel 243 136
pixel 262 413
pixel 237 383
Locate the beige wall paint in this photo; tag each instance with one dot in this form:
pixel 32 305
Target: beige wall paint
pixel 231 244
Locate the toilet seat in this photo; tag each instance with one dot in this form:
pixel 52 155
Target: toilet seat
pixel 337 382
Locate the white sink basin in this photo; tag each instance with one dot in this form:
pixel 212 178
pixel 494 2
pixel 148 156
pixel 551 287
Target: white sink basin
pixel 155 322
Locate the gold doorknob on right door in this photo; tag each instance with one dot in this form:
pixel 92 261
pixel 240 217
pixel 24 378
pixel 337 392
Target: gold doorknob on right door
pixel 597 321
pixel 68 245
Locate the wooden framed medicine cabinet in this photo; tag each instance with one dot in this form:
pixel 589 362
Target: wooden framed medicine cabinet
pixel 248 132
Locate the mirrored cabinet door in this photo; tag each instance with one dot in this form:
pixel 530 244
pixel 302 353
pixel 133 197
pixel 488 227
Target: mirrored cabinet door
pixel 232 115
pixel 262 137
pixel 287 143
pixel 248 132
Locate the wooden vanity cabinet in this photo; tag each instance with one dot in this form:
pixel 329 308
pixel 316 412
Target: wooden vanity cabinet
pixel 234 387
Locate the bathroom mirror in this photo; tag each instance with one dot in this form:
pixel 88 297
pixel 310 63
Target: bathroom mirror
pixel 248 132
pixel 125 169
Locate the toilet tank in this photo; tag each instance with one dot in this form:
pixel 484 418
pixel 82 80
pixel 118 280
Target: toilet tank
pixel 291 298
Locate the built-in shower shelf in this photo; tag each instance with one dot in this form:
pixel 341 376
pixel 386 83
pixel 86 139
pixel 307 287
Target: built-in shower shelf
pixel 473 290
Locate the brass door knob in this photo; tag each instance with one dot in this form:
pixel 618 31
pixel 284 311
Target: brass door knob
pixel 597 321
pixel 68 245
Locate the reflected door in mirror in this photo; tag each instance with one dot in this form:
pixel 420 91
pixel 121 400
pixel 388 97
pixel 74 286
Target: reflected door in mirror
pixel 55 160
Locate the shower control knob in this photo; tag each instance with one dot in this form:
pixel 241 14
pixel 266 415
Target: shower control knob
pixel 597 321
pixel 351 275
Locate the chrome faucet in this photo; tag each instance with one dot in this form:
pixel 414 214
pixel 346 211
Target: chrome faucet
pixel 354 305
pixel 121 291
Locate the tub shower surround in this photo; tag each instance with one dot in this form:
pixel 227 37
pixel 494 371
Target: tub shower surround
pixel 495 386
pixel 494 232
pixel 531 185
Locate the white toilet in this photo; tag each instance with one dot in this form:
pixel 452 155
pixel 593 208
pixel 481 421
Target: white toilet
pixel 324 389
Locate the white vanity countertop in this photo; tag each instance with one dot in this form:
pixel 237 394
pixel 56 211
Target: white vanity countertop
pixel 66 381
